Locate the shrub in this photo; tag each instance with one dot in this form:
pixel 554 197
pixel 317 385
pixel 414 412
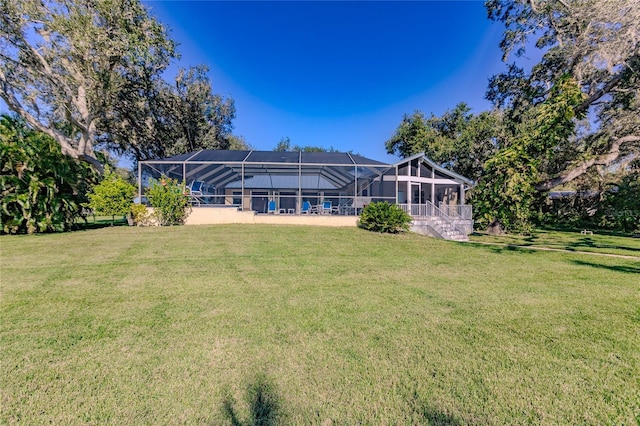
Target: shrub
pixel 384 217
pixel 170 200
pixel 42 189
pixel 112 196
pixel 140 215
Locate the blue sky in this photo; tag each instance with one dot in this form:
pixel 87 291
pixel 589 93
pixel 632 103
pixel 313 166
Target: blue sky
pixel 336 74
pixel 332 73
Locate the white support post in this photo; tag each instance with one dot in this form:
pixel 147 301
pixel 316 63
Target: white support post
pixel 397 186
pixel 433 186
pixel 299 204
pixel 355 189
pixel 139 182
pixel 242 185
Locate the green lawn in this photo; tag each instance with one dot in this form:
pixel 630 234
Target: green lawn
pixel 244 324
pixel 572 241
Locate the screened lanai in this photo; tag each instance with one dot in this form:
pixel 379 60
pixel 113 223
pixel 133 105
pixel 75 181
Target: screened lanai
pixel 275 182
pixel 307 182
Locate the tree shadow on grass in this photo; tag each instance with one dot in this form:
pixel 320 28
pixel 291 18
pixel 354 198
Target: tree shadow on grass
pixel 616 268
pixel 265 407
pixel 506 248
pixel 424 412
pixel 591 243
pixel 435 417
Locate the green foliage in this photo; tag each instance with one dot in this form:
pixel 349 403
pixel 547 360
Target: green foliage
pixel 285 146
pixel 42 189
pixel 112 196
pixel 170 200
pixel 458 140
pixel 506 193
pixel 108 54
pixel 620 208
pixel 140 214
pixel 384 217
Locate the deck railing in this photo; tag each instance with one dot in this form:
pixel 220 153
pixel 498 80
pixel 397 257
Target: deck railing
pixel 462 211
pixel 430 210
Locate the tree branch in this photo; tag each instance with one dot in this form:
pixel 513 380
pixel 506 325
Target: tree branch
pixel 65 146
pixel 16 105
pixel 600 93
pixel 581 168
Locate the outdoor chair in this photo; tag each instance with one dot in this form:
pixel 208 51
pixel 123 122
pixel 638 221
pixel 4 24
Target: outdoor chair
pixel 272 207
pixel 344 208
pixel 306 208
pixel 196 191
pixel 326 207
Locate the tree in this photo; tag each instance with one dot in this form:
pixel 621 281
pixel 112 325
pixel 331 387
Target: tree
pixel 70 62
pixel 572 117
pixel 285 146
pixel 113 196
pixel 459 140
pixel 154 119
pixel 41 189
pixel 597 44
pixel 238 143
pixel 506 195
pixel 205 119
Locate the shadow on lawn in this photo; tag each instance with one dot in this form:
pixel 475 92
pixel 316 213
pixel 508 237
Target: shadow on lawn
pixel 589 242
pixel 617 268
pixel 438 418
pixel 424 412
pixel 265 408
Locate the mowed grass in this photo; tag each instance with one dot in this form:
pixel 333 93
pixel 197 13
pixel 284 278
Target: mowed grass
pixel 251 324
pixel 571 241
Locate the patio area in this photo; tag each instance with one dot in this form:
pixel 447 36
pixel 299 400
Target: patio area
pixel 315 188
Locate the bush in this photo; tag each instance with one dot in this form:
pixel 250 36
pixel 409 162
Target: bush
pixel 140 215
pixel 42 189
pixel 384 217
pixel 170 200
pixel 112 196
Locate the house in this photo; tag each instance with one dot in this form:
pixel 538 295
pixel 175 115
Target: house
pixel 333 183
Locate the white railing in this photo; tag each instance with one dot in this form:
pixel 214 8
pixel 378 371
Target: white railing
pixel 462 211
pixel 430 210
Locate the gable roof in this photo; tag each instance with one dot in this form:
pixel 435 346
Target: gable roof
pixel 455 176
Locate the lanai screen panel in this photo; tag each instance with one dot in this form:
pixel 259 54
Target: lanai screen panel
pixel 317 176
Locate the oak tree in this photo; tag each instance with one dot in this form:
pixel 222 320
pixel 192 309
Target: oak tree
pixel 65 62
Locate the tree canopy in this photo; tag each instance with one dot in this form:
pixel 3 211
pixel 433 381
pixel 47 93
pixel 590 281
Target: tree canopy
pixel 458 140
pixel 155 119
pixel 91 72
pixel 572 117
pixel 64 63
pixel 597 44
pixel 285 146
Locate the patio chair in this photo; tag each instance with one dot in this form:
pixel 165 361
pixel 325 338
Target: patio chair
pixel 306 208
pixel 196 191
pixel 272 207
pixel 345 207
pixel 326 207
